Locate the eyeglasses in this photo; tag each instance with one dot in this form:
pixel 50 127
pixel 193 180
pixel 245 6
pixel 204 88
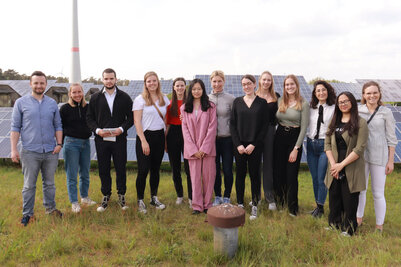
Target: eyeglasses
pixel 345 102
pixel 247 84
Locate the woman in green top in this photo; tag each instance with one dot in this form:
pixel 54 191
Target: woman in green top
pixel 293 119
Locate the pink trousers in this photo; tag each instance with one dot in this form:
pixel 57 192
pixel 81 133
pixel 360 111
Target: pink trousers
pixel 203 174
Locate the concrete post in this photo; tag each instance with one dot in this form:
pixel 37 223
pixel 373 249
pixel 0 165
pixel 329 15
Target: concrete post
pixel 226 219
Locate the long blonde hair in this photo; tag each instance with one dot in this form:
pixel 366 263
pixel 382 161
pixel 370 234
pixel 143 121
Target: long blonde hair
pixel 146 94
pixel 270 89
pixel 283 106
pixel 71 101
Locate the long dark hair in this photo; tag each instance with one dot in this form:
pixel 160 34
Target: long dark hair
pixel 174 106
pixel 352 126
pixel 189 103
pixel 331 94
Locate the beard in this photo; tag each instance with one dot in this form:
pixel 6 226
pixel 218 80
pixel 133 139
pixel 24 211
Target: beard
pixel 38 91
pixel 109 88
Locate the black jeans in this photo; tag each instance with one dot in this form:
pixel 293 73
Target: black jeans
pixel 251 161
pixel 150 162
pixel 343 206
pixel 224 150
pixel 175 148
pixel 105 150
pixel 286 173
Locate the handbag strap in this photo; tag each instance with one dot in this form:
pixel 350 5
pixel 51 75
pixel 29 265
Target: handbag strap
pixel 374 113
pixel 158 110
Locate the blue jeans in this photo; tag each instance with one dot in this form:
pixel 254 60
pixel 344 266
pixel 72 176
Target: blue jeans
pixel 317 162
pixel 32 163
pixel 224 149
pixel 76 154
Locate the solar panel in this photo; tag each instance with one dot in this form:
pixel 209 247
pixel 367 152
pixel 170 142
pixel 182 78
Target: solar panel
pixel 354 88
pixel 391 90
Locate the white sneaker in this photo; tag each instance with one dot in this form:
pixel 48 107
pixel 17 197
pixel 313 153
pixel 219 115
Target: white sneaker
pixel 155 202
pixel 75 207
pixel 121 202
pixel 104 204
pixel 272 206
pixel 142 206
pixel 345 234
pixel 254 213
pixel 179 201
pixel 217 201
pixel 241 206
pixel 87 201
pixel 251 205
pixel 190 203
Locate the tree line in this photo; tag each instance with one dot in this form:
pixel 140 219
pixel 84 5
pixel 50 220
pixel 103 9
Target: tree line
pixel 11 74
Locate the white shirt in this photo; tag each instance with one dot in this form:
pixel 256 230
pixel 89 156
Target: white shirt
pixel 328 112
pixel 110 99
pixel 151 119
pixel 381 134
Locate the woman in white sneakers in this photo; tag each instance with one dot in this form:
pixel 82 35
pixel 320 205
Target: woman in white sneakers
pixel 76 150
pixel 149 111
pixel 175 141
pixel 379 152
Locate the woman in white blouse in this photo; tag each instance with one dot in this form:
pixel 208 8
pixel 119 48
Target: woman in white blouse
pixel 379 153
pixel 149 111
pixel 322 108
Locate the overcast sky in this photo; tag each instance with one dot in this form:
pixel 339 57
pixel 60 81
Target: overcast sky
pixel 343 40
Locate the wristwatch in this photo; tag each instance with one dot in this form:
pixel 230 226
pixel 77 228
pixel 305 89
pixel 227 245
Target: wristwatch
pixel 60 145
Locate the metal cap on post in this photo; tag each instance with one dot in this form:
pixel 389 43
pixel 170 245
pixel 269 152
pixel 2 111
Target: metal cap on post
pixel 226 219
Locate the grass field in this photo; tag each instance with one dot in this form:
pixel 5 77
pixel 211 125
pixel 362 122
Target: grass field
pixel 174 237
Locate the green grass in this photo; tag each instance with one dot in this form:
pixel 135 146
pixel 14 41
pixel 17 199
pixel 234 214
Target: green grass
pixel 173 237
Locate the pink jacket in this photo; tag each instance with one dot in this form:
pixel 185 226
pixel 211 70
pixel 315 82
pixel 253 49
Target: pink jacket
pixel 199 132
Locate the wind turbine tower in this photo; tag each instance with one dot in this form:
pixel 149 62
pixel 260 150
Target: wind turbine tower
pixel 75 75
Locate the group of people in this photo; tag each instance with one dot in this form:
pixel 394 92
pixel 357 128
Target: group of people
pixel 345 143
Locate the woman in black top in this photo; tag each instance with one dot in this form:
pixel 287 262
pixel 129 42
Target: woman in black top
pixel 76 151
pixel 248 126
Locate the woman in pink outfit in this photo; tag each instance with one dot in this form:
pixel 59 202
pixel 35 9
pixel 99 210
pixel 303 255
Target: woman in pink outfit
pixel 199 124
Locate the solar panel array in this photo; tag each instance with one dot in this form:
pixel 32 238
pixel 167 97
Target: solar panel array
pixel 232 86
pixel 354 88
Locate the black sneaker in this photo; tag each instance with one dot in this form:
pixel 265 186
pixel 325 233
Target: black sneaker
pixel 121 202
pixel 25 220
pixel 318 212
pixel 104 204
pixel 155 202
pixel 313 211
